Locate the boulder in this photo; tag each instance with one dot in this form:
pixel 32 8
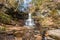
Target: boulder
pixel 54 33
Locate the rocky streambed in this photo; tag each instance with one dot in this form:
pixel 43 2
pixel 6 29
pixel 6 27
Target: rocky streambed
pixel 23 33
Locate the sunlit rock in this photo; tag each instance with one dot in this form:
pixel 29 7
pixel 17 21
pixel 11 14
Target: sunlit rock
pixel 54 33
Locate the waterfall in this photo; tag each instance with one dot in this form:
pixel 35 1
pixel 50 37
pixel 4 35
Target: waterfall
pixel 29 22
pixel 23 6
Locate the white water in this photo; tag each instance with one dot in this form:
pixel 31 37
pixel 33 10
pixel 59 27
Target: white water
pixel 23 7
pixel 30 22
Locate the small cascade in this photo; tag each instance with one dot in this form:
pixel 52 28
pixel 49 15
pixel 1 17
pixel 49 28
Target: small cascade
pixel 30 22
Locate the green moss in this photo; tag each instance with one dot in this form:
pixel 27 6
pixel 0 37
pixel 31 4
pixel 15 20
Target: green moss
pixel 2 28
pixel 4 18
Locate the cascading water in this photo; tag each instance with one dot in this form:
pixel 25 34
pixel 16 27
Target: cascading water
pixel 24 6
pixel 30 22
